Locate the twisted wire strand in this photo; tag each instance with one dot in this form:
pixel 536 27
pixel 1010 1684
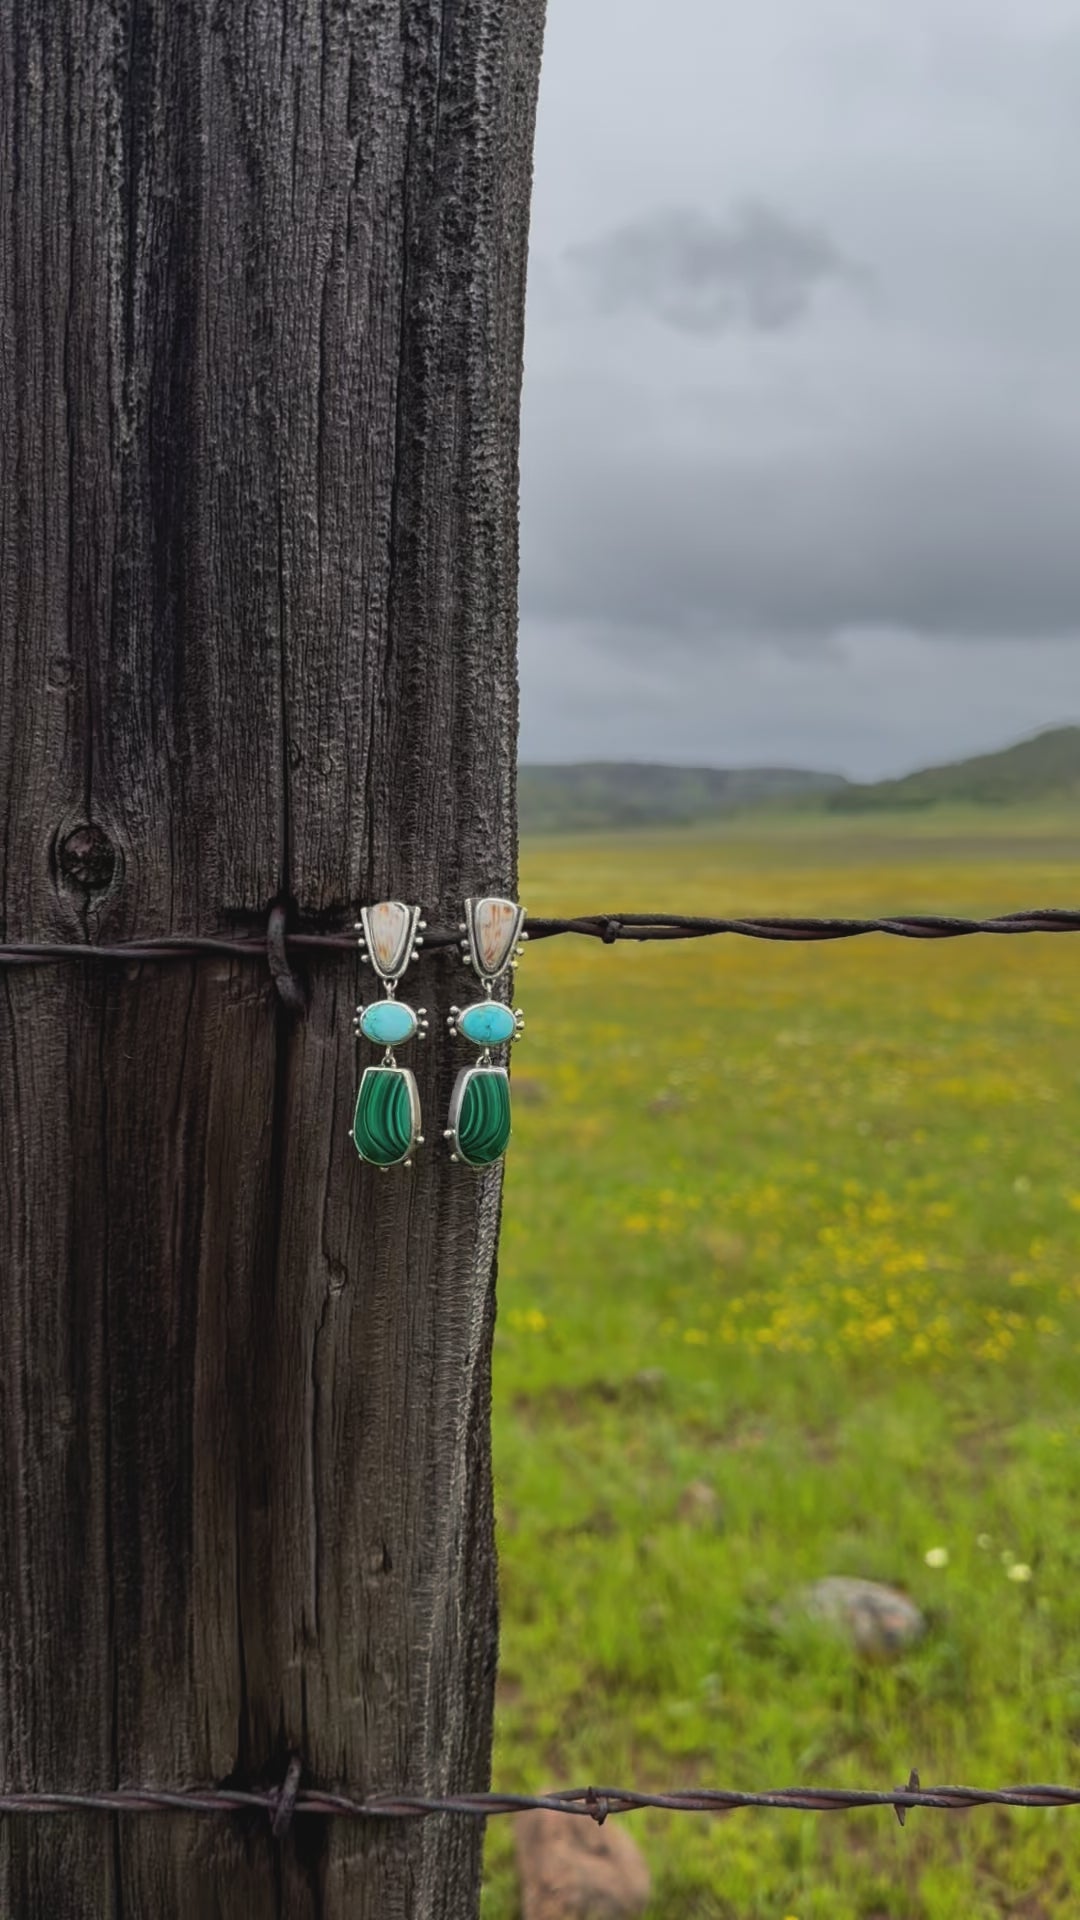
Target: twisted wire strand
pixel 281 1804
pixel 276 947
pixel 608 927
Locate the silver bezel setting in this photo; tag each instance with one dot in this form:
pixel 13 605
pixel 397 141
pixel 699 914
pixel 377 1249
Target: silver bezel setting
pixel 514 937
pixel 457 1098
pixel 457 1014
pixel 408 946
pixel 416 1014
pixel 415 1136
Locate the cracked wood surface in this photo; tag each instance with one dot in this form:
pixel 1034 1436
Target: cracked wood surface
pixel 261 291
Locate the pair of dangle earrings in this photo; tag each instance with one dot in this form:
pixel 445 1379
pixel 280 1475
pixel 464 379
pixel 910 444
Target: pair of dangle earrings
pixel 386 1123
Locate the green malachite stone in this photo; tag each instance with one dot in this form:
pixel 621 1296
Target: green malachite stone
pixel 383 1124
pixel 483 1121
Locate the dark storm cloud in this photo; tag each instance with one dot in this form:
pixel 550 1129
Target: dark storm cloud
pixel 807 440
pixel 973 538
pixel 869 705
pixel 758 269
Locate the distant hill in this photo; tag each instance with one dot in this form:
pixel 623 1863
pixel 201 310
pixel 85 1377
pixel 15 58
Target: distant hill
pixel 1044 767
pixel 599 795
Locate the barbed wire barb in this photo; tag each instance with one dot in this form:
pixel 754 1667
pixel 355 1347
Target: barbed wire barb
pixel 281 946
pixel 282 1804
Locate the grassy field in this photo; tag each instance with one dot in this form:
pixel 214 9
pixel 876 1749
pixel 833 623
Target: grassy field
pixel 797 1226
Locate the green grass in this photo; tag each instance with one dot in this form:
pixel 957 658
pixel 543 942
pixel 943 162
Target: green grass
pixel 799 1223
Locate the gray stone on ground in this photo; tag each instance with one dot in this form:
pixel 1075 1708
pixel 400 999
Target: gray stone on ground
pixel 878 1621
pixel 572 1869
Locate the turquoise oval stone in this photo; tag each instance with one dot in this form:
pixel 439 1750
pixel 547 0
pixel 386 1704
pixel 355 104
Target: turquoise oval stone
pixel 483 1121
pixel 487 1024
pixel 388 1023
pixel 383 1125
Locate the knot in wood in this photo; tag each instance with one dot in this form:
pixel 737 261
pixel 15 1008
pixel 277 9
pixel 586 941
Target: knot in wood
pixel 87 858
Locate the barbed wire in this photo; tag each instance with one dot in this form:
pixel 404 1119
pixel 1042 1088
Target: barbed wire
pixel 611 927
pixel 608 927
pixel 281 1804
pixel 277 946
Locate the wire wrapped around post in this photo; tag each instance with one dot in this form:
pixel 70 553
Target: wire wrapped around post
pixel 280 948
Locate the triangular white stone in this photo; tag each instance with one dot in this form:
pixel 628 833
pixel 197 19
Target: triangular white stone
pixel 389 930
pixel 494 929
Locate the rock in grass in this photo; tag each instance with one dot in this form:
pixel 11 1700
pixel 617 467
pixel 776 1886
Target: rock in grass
pixel 879 1621
pixel 571 1869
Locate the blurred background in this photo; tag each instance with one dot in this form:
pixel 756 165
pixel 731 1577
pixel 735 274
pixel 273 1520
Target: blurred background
pixel 790 1283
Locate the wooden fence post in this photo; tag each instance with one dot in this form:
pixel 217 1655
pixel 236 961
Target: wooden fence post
pixel 261 289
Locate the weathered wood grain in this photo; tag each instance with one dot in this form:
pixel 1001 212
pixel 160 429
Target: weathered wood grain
pixel 261 292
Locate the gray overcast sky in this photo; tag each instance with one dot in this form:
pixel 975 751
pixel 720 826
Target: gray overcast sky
pixel 801 433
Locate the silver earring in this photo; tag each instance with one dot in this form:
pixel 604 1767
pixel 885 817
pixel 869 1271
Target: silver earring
pixel 479 1126
pixel 386 1122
